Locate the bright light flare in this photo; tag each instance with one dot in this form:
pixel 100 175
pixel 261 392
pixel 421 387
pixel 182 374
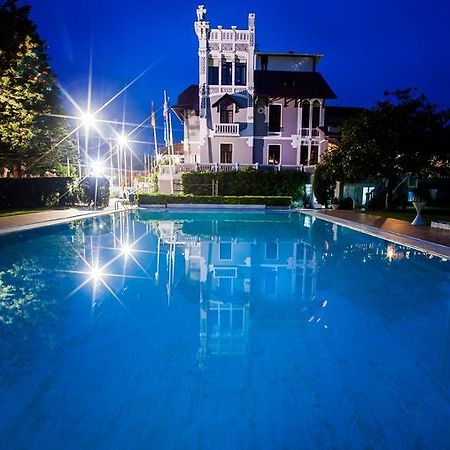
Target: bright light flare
pixel 390 252
pixel 98 168
pixel 96 275
pixel 126 250
pixel 87 119
pixel 122 140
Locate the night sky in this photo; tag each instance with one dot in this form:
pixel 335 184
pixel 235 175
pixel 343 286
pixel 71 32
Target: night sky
pixel 368 46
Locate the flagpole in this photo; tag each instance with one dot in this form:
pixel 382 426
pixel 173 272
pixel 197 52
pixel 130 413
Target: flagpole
pixel 153 120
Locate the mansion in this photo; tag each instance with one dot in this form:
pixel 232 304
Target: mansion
pixel 252 107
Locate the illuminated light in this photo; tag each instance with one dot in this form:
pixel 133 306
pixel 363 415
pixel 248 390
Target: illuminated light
pixel 96 274
pixel 390 252
pixel 126 250
pixel 88 120
pixel 98 168
pixel 123 140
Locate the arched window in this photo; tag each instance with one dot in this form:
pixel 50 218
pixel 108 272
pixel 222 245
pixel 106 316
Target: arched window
pixel 316 114
pixel 305 114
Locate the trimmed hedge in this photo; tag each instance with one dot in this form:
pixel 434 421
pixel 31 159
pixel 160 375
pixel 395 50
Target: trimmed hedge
pixel 247 182
pixel 163 199
pixel 18 193
pixel 36 192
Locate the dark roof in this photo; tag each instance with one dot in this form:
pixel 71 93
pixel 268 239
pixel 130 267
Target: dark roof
pixel 187 100
pixel 308 55
pixel 301 85
pixel 336 115
pixel 227 98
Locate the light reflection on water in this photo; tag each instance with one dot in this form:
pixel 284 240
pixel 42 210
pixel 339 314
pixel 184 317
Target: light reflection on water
pixel 169 330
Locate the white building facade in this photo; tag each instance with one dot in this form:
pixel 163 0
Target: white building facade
pixel 250 107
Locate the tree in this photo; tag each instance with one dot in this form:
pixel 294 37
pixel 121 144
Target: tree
pixel 323 185
pixel 402 134
pixel 29 97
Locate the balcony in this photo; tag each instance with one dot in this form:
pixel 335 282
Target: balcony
pixel 310 132
pixel 226 129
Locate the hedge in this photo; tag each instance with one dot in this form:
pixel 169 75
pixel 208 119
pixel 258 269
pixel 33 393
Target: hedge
pixel 17 193
pixel 246 182
pixel 163 199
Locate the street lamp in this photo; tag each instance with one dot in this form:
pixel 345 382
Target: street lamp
pixel 98 168
pixel 87 119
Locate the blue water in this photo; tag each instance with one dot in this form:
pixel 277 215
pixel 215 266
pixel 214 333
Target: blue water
pixel 197 330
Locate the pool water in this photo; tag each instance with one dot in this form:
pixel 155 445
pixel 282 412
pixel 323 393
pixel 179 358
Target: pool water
pixel 218 330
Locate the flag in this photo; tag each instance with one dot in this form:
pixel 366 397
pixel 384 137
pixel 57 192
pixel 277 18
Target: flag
pixel 153 118
pixel 166 120
pixel 166 107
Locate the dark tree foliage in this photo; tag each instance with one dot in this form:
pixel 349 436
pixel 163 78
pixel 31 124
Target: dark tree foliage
pixel 402 134
pixel 29 98
pixel 323 185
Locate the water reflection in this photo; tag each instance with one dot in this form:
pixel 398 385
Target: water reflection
pixel 186 310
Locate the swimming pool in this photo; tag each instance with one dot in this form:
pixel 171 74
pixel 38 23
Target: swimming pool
pixel 221 330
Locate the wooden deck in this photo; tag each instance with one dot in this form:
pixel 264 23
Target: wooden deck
pixel 425 238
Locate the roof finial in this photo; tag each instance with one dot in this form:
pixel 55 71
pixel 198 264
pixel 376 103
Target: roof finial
pixel 201 13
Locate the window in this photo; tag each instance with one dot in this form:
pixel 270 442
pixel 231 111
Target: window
pixel 213 75
pixel 225 251
pixel 274 118
pixel 316 115
pixel 240 74
pixel 273 155
pixel 227 72
pixel 314 154
pixel 226 113
pixel 270 283
pixel 305 115
pixel 264 62
pixel 304 154
pixel 272 250
pixel 226 153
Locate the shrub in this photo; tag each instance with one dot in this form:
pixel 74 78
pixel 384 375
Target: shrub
pixel 16 193
pixel 346 203
pixel 246 183
pixel 323 185
pixel 163 199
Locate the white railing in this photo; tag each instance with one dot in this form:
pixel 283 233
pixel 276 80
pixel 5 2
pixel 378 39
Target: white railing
pixel 225 167
pixel 226 129
pixel 310 132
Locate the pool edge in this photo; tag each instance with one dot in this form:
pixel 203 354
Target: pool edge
pixel 442 251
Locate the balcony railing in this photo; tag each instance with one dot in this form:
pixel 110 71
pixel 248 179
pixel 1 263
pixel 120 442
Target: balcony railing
pixel 310 132
pixel 226 129
pixel 222 167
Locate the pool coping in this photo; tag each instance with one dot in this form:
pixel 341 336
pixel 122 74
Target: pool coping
pixel 72 218
pixel 442 251
pixel 432 248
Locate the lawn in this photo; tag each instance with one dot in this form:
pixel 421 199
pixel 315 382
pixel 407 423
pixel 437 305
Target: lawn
pixel 429 214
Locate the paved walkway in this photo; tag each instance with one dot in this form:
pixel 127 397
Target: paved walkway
pixel 21 222
pixel 432 240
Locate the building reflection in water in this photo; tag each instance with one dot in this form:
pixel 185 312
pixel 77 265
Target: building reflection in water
pixel 236 275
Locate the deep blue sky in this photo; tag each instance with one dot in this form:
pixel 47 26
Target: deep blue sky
pixel 368 46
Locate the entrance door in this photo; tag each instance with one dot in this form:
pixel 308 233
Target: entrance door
pixel 273 156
